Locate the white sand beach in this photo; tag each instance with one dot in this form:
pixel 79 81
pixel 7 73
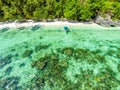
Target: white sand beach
pixel 56 24
pixel 32 23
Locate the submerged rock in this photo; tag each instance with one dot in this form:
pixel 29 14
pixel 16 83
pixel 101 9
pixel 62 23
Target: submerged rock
pixel 40 47
pixel 21 28
pixel 16 55
pixel 5 60
pixel 41 63
pixel 35 27
pixel 63 64
pixel 68 51
pixel 27 53
pixel 80 51
pixel 13 50
pixel 118 55
pixel 54 56
pixel 37 83
pixel 22 65
pixel 118 67
pixel 53 60
pixel 41 37
pixel 4 29
pixel 8 70
pixel 10 83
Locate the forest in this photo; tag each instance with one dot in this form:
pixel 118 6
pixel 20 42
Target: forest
pixel 79 10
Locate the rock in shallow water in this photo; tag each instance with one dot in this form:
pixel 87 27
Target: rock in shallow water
pixel 36 27
pixel 37 83
pixel 5 60
pixel 4 29
pixel 39 64
pixel 13 50
pixel 22 65
pixel 27 53
pixel 40 47
pixel 68 51
pixel 10 83
pixel 106 21
pixel 8 70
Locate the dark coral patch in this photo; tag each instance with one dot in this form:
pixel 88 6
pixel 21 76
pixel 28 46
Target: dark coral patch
pixel 10 83
pixel 13 50
pixel 52 68
pixel 40 47
pixel 41 63
pixel 22 65
pixel 6 60
pixel 27 53
pixel 68 51
pixel 8 70
pixel 37 83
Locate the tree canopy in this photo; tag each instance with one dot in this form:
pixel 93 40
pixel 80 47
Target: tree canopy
pixel 50 9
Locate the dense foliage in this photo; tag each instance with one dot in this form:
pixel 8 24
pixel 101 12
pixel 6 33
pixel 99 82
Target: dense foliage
pixel 50 9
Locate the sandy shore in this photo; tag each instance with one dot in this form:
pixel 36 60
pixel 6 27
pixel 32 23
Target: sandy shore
pixel 49 24
pixel 31 23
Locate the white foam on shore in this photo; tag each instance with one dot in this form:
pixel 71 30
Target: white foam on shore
pixel 16 24
pixel 31 23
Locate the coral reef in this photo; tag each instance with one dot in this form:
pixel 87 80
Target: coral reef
pixel 52 71
pixel 51 68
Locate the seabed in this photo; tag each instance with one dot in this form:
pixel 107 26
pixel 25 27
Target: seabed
pixel 86 58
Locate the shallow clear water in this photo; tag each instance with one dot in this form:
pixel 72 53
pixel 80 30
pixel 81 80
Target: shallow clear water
pixel 87 58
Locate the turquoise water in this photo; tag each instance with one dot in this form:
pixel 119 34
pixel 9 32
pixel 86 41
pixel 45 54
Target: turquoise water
pixel 87 58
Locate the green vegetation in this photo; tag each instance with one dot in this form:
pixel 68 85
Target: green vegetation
pixel 50 9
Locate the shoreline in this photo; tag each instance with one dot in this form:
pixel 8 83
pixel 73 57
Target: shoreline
pixel 29 23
